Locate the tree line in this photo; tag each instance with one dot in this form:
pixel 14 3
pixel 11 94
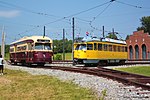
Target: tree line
pixel 6 49
pixel 58 46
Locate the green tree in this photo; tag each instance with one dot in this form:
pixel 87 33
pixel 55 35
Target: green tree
pixel 127 37
pixel 6 49
pixel 58 46
pixel 145 22
pixel 112 36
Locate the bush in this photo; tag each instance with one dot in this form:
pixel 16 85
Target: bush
pixel 58 57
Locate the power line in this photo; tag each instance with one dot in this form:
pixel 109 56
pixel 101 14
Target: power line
pixel 90 9
pixel 27 10
pixel 101 12
pixel 76 13
pixel 82 20
pixel 135 6
pixel 94 18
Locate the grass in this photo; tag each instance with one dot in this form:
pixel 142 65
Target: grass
pixel 17 85
pixel 68 56
pixel 143 70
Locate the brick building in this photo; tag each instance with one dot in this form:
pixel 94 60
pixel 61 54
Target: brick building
pixel 139 46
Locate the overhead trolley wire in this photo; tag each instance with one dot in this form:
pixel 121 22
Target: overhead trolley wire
pixel 89 9
pixel 60 19
pixel 27 10
pixel 94 18
pixel 80 12
pixel 131 5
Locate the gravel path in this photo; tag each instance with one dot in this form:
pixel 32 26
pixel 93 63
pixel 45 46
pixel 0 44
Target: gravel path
pixel 114 90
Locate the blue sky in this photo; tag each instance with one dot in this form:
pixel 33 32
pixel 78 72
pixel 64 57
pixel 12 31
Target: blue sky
pixel 28 17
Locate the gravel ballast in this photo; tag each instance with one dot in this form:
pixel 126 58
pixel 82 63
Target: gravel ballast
pixel 114 89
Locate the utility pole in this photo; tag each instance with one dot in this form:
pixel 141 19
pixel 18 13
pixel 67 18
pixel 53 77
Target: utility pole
pixel 44 32
pixel 3 43
pixel 73 40
pixel 63 44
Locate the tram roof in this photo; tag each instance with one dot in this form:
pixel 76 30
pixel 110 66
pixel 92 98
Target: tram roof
pixel 95 39
pixel 33 38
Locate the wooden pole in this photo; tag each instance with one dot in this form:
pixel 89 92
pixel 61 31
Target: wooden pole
pixel 3 43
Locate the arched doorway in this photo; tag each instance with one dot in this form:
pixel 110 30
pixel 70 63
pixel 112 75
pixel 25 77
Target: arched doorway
pixel 143 51
pixel 136 52
pixel 131 52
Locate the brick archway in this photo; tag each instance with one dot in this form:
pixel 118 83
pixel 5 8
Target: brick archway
pixel 144 51
pixel 131 52
pixel 136 51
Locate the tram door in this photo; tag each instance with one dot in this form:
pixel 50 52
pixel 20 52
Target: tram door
pixel 29 54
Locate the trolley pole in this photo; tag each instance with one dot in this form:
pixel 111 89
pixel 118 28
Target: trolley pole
pixel 3 44
pixel 103 32
pixel 63 44
pixel 73 40
pixel 113 31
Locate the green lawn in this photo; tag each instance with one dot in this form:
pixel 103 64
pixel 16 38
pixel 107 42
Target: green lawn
pixel 18 85
pixel 143 70
pixel 68 56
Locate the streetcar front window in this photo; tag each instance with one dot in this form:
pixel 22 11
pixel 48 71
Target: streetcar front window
pixel 81 47
pixel 42 46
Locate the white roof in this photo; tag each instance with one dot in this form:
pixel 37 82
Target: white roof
pixel 113 41
pixel 90 39
pixel 34 38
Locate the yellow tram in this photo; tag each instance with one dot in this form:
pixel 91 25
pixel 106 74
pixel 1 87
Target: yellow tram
pixel 94 51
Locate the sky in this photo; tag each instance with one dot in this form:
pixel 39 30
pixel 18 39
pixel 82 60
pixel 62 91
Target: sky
pixel 20 18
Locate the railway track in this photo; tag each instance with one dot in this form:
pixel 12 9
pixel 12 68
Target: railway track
pixel 124 77
pixel 62 62
pixel 130 62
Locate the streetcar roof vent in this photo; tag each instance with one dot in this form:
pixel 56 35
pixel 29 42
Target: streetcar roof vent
pixel 88 39
pixel 113 40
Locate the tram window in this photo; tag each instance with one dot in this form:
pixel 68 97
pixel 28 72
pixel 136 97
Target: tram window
pixel 18 48
pixel 122 49
pixel 105 47
pixel 47 46
pixel 89 46
pixel 126 49
pixel 110 47
pixel 77 47
pixel 99 46
pixel 119 48
pixel 114 48
pixel 11 50
pixel 41 46
pixel 95 46
pixel 23 48
pixel 81 47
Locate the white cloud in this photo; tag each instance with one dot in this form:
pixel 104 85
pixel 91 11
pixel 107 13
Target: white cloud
pixel 9 14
